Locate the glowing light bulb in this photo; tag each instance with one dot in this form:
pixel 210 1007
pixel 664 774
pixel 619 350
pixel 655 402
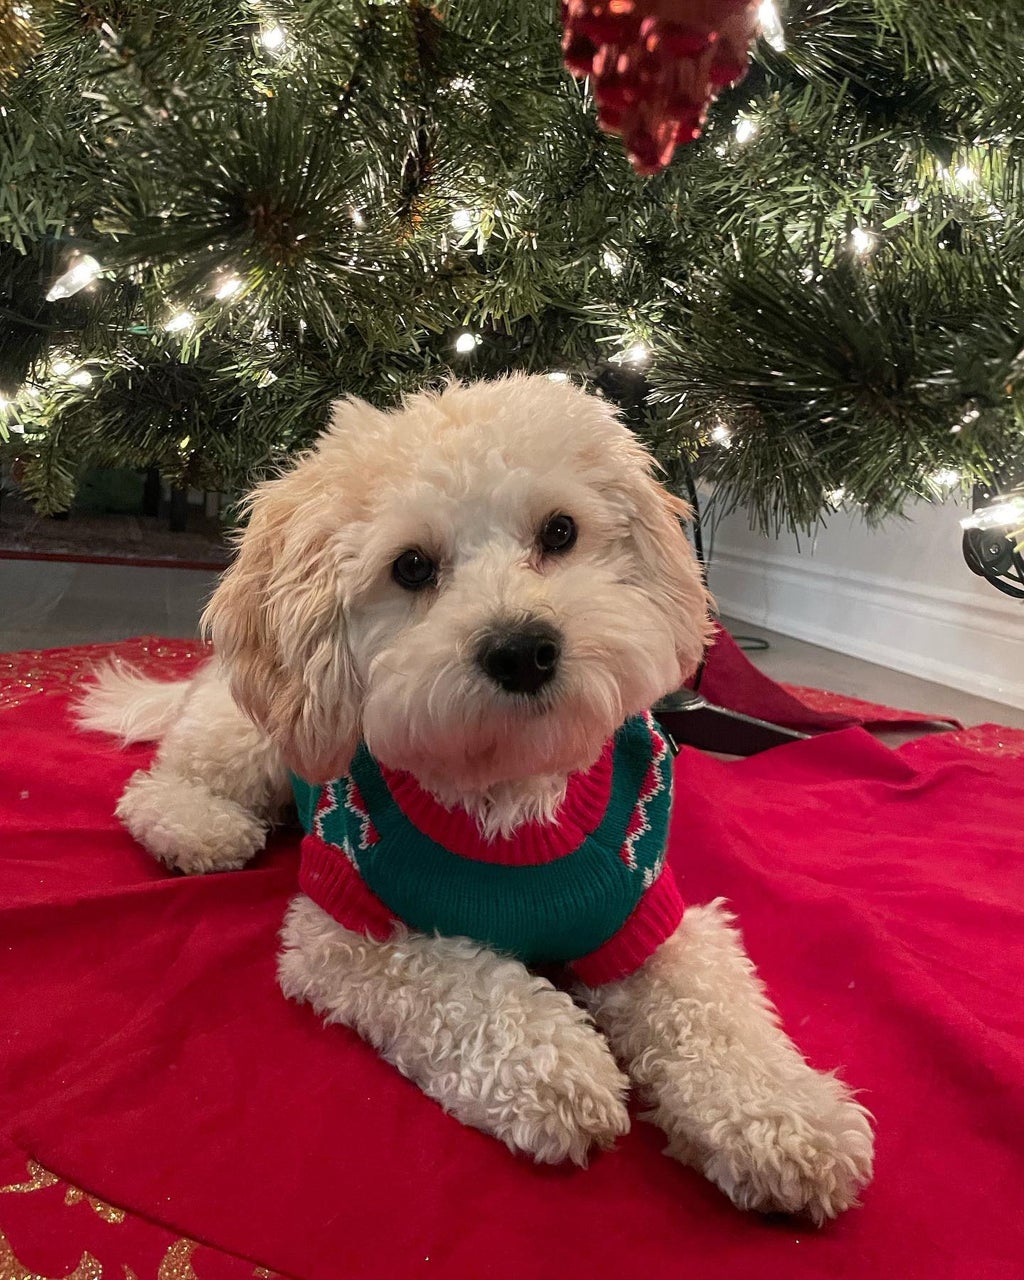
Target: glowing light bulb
pixel 863 241
pixel 836 497
pixel 1002 515
pixel 61 367
pixel 912 205
pixel 273 38
pixel 81 378
pixel 722 435
pixel 611 262
pixel 966 176
pixel 466 342
pixel 771 27
pixel 4 403
pixel 636 354
pixel 357 217
pixel 464 85
pixel 945 477
pixel 83 271
pixel 462 219
pixel 228 288
pixel 180 322
pixel 558 376
pixel 745 130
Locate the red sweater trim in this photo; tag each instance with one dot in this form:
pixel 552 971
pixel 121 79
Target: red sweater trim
pixel 334 884
pixel 579 815
pixel 655 919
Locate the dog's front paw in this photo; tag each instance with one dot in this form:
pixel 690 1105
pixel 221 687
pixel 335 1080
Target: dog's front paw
pixel 808 1149
pixel 566 1095
pixel 532 1070
pixel 187 826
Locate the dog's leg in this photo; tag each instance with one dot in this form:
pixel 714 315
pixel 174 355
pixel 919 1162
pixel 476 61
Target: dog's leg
pixel 730 1089
pixel 501 1049
pixel 216 781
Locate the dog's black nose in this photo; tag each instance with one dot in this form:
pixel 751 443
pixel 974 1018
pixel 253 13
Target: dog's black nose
pixel 521 661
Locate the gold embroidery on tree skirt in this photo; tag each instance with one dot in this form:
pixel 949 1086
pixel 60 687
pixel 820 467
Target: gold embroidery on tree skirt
pixel 38 1178
pixel 106 1211
pixel 177 1263
pixel 28 673
pixel 11 1269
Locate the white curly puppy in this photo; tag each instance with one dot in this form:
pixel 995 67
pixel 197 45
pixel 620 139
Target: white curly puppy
pixel 449 622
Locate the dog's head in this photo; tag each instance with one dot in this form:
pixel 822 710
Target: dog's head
pixel 483 585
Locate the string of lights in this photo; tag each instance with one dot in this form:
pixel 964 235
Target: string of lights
pixel 280 203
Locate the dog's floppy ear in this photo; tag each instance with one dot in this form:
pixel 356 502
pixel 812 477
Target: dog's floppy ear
pixel 278 626
pixel 673 577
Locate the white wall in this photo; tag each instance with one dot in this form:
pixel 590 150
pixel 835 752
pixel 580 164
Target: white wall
pixel 901 596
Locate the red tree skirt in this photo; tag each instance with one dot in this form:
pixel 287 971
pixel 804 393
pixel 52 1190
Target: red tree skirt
pixel 730 679
pixel 150 1061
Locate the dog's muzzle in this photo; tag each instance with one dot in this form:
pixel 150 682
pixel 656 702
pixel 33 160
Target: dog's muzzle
pixel 521 660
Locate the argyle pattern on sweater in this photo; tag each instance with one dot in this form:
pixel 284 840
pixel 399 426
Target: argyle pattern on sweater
pixel 589 889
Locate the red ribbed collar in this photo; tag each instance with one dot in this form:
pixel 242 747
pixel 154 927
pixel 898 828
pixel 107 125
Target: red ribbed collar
pixel 579 815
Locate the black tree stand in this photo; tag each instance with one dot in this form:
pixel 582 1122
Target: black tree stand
pixel 691 721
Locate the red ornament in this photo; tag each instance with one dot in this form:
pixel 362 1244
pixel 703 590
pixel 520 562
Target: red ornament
pixel 656 65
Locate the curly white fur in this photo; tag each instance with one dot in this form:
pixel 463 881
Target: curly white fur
pixel 729 1088
pixel 206 801
pixel 498 1047
pixel 318 647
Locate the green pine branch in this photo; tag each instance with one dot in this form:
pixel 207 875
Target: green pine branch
pixel 335 190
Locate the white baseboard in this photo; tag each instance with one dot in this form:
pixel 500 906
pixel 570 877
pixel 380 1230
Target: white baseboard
pixel 942 634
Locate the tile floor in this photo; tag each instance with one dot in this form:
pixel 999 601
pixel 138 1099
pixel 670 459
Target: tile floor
pixel 45 604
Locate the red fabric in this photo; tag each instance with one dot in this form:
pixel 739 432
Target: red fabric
pixel 730 679
pixel 150 1059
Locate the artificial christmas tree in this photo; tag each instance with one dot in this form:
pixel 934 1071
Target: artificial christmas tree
pixel 218 216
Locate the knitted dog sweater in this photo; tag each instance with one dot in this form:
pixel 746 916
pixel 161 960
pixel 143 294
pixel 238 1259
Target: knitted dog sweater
pixel 589 889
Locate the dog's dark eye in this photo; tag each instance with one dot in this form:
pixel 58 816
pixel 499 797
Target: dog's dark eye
pixel 414 571
pixel 558 533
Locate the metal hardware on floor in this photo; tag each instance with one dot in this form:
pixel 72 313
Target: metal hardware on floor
pixel 691 721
